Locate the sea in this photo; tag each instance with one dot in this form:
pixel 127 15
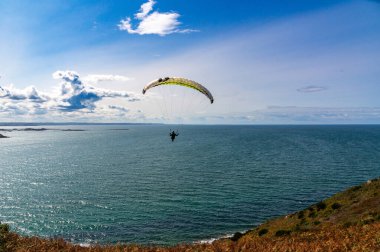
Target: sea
pixel 109 184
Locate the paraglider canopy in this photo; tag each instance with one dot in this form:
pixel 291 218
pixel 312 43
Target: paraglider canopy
pixel 180 82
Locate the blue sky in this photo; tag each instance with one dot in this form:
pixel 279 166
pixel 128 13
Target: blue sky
pixel 298 62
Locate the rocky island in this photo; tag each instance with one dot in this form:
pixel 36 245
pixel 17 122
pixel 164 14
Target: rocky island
pixel 2 136
pixel 37 129
pixel 34 130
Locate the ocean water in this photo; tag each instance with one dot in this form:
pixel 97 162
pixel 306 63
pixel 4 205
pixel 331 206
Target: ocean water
pixel 131 184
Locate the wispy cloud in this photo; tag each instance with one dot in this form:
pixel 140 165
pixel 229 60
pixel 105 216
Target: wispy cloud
pixel 311 89
pixel 95 78
pixel 328 115
pixel 119 110
pixel 153 22
pixel 29 93
pixel 72 95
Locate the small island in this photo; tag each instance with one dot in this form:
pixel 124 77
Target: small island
pixel 35 130
pixel 38 129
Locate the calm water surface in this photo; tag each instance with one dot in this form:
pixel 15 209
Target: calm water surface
pixel 130 183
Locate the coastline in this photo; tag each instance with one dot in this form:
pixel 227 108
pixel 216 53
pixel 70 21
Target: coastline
pixel 358 204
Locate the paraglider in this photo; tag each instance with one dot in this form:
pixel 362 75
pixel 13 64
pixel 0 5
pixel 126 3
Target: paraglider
pixel 173 135
pixel 177 100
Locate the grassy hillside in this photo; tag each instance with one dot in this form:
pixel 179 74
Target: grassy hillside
pixel 348 221
pixel 358 205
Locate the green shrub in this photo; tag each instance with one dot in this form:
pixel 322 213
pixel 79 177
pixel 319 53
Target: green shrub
pixel 263 231
pixel 355 188
pixel 297 227
pixel 317 222
pixel 283 232
pixel 336 206
pixel 368 221
pixel 4 229
pixel 347 224
pixel 236 236
pixel 321 205
pixel 303 221
pixel 312 214
pixel 301 215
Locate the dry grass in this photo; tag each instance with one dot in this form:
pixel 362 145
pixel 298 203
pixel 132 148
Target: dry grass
pixel 333 238
pixel 356 206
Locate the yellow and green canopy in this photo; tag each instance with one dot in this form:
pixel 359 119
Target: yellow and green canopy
pixel 180 82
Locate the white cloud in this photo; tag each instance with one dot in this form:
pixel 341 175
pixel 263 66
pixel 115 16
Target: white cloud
pixel 145 9
pixel 154 23
pixel 29 93
pixel 72 96
pixel 76 95
pixel 121 111
pixel 311 89
pixel 95 78
pixel 125 25
pixel 119 108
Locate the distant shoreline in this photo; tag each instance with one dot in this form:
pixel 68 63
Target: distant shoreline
pixel 39 129
pixel 32 124
pixel 34 130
